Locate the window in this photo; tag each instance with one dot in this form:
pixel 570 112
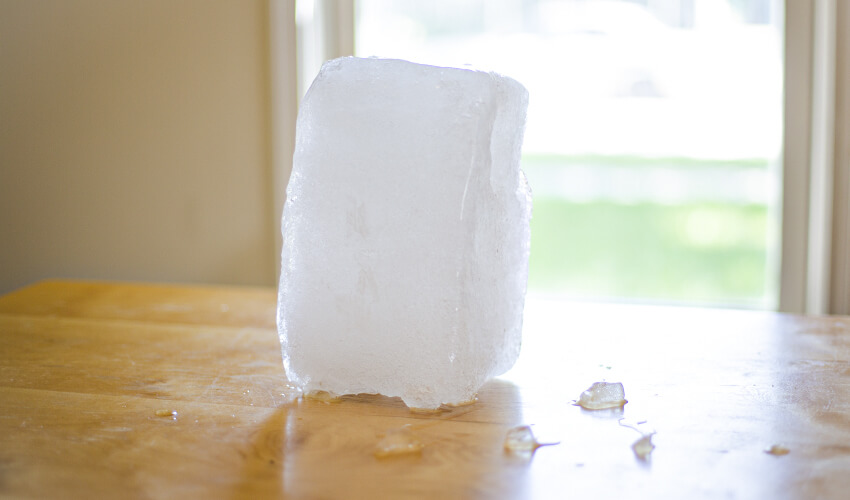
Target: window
pixel 654 136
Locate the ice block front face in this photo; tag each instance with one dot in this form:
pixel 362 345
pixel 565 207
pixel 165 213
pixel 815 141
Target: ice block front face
pixel 405 232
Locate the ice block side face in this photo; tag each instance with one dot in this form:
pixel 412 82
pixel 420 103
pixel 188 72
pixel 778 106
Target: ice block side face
pixel 405 232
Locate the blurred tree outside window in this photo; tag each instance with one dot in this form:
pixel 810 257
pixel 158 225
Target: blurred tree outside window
pixel 653 137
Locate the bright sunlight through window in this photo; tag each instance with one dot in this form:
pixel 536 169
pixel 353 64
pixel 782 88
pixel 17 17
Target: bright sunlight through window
pixel 653 137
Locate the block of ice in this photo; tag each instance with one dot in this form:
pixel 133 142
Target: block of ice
pixel 405 232
pixel 521 440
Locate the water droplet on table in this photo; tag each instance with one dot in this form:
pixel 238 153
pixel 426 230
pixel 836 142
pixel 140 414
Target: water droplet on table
pixel 398 442
pixel 777 450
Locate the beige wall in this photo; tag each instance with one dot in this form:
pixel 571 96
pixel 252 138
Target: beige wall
pixel 134 141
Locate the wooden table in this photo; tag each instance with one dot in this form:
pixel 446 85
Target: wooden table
pixel 85 367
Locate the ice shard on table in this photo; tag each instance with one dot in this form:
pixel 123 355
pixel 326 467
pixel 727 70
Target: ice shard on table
pixel 603 395
pixel 405 232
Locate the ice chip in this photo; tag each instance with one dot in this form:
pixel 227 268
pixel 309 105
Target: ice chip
pixel 521 439
pixel 405 232
pixel 603 395
pixel 643 446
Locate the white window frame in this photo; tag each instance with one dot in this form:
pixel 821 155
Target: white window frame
pixel 815 242
pixel 332 36
pixel 815 270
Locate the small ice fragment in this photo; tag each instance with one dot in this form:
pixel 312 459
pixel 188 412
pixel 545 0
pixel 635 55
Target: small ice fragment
pixel 602 395
pixel 777 450
pixel 398 442
pixel 322 397
pixel 521 440
pixel 643 446
pixel 166 413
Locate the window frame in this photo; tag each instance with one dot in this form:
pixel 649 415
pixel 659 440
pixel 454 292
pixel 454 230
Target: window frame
pixel 815 269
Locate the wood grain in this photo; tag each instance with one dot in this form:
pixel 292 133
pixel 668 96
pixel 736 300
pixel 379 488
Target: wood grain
pixel 84 368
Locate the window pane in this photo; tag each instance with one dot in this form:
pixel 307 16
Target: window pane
pixel 653 136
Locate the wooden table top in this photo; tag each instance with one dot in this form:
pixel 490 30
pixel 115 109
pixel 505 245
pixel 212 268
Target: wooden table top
pixel 85 367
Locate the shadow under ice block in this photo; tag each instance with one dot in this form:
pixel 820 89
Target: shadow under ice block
pixel 405 232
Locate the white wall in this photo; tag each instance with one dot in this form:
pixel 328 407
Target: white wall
pixel 134 141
